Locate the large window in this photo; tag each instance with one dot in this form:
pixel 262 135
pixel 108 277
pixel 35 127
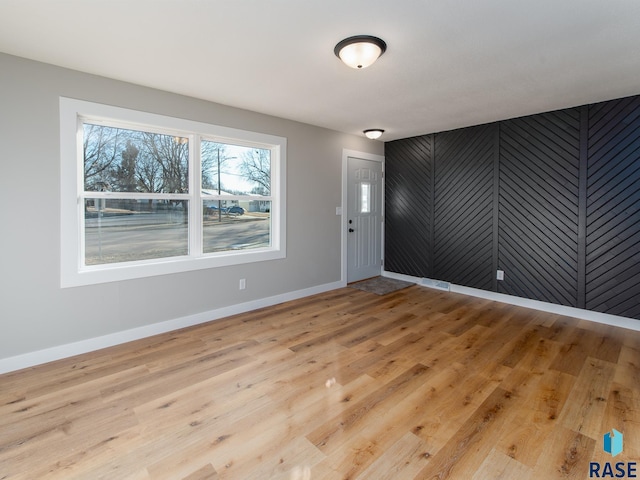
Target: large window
pixel 144 194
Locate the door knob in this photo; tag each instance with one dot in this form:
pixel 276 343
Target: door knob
pixel 351 230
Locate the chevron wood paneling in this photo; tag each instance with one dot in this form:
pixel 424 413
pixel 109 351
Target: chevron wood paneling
pixel 538 206
pixel 408 192
pixel 565 214
pixel 613 208
pixel 463 209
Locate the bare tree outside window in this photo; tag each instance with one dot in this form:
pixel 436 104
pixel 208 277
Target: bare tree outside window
pixel 256 167
pixel 214 160
pixel 102 147
pixel 172 154
pixel 135 161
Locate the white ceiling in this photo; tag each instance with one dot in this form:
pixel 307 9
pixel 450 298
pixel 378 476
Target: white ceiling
pixel 449 63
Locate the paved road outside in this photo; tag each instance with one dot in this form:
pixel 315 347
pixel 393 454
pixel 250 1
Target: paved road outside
pixel 121 238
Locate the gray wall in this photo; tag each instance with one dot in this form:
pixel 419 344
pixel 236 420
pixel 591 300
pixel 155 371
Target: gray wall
pixel 35 313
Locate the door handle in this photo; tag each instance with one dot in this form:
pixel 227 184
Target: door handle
pixel 351 230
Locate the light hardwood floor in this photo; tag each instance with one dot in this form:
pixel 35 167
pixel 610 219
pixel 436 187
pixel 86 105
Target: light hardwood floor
pixel 343 385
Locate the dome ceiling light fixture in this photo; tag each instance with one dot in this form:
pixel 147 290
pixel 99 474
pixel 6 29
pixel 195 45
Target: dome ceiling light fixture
pixel 373 133
pixel 360 51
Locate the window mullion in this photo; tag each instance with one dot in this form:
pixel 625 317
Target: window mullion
pixel 135 195
pixel 195 187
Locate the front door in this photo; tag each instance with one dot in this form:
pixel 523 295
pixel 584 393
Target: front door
pixel 364 219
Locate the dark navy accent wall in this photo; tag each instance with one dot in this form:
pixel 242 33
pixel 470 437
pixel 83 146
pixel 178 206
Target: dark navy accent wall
pixel 538 220
pixel 408 194
pixel 552 199
pixel 613 208
pixel 464 206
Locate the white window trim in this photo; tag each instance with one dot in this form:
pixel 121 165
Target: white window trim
pixel 73 274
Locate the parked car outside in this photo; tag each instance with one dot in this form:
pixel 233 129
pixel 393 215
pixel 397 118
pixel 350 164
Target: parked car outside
pixel 232 210
pixel 235 210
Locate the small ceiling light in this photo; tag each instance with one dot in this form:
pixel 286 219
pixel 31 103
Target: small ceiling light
pixel 373 133
pixel 360 51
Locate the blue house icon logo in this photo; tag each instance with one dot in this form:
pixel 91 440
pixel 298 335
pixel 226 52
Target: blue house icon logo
pixel 613 442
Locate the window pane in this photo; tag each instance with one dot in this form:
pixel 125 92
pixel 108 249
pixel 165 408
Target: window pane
pixel 235 225
pixel 365 198
pixel 235 170
pixel 121 160
pixel 127 230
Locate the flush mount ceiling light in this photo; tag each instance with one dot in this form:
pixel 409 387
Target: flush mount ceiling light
pixel 360 51
pixel 373 133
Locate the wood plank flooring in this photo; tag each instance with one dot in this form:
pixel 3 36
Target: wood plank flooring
pixel 344 385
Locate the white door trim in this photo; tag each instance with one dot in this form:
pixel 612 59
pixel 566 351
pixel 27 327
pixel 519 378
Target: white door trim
pixel 343 222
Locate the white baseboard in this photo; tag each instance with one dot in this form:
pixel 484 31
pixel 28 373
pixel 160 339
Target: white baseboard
pixel 30 359
pixel 605 318
pixel 76 348
pixel 401 276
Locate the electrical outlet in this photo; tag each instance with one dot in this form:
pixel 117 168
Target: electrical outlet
pixel 500 275
pixel 243 284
